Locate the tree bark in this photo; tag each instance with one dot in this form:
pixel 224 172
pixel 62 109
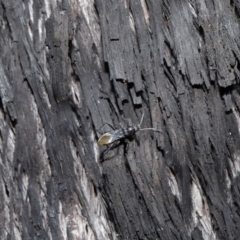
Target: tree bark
pixel 68 67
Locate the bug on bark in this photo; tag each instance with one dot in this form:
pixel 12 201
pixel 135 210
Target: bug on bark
pixel 112 138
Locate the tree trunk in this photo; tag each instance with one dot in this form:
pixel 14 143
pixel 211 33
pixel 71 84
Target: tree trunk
pixel 68 67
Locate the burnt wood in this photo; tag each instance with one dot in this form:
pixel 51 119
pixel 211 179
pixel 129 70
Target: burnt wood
pixel 68 67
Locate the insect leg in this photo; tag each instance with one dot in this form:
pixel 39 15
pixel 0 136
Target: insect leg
pixel 111 146
pixel 126 146
pixel 104 125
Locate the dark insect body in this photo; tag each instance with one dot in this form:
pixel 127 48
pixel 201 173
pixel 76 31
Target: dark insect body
pixel 114 137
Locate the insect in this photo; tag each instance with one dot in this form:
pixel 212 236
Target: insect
pixel 114 137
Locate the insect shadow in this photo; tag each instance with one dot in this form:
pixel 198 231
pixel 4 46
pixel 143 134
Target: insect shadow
pixel 118 136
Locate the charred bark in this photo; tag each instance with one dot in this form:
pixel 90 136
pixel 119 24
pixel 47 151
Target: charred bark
pixel 68 67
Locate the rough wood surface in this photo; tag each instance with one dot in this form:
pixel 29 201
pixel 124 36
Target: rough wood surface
pixel 68 67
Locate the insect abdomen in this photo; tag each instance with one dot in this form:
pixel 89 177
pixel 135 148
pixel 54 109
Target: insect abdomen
pixel 105 139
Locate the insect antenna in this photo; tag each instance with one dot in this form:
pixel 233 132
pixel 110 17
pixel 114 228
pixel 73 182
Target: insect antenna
pixel 142 129
pixel 141 121
pixel 154 129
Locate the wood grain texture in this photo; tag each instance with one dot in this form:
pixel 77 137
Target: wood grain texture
pixel 68 67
